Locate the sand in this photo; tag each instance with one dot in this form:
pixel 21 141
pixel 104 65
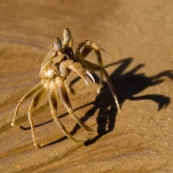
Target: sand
pixel 138 36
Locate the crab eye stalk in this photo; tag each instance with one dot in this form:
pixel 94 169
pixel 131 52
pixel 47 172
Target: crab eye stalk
pixel 67 35
pixel 57 44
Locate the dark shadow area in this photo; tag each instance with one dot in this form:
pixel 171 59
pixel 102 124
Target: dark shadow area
pixel 127 85
pixel 37 125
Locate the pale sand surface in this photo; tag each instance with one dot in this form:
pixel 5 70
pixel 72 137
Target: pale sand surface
pixel 138 35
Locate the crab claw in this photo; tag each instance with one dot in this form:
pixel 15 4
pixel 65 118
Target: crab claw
pixel 90 75
pixel 76 67
pixel 57 44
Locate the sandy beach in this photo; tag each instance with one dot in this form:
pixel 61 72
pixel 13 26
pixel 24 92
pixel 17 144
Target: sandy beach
pixel 138 36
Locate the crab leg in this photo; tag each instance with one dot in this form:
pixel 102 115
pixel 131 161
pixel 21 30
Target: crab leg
pixel 100 62
pixel 90 66
pixel 53 108
pixel 64 97
pixel 85 48
pixel 35 101
pixel 26 96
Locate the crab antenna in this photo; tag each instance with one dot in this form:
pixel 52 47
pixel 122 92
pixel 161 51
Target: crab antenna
pixel 57 44
pixel 67 36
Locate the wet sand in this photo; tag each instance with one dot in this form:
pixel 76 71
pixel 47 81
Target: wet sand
pixel 138 36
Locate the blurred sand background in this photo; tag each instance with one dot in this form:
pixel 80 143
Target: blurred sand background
pixel 138 36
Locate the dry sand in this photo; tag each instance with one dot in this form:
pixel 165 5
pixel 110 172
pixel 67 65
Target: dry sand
pixel 138 35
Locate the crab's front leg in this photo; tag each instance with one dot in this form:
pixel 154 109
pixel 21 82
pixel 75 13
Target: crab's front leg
pixel 85 48
pixel 64 97
pixel 94 67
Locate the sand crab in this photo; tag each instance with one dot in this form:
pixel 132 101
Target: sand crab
pixel 54 71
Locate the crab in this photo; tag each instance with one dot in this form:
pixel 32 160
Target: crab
pixel 55 69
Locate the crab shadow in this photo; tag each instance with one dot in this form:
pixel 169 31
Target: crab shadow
pixel 127 85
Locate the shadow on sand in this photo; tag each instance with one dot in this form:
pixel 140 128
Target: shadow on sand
pixel 127 85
